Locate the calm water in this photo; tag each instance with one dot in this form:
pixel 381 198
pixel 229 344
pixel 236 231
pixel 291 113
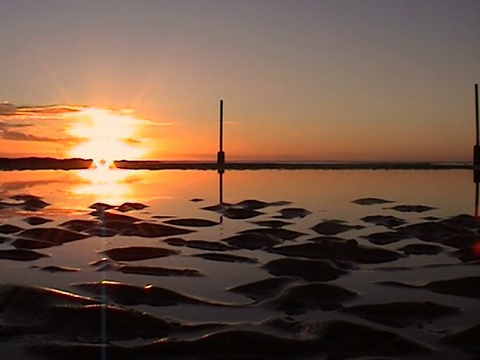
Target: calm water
pixel 326 194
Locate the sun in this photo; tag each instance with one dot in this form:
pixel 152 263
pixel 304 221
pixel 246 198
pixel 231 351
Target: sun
pixel 107 136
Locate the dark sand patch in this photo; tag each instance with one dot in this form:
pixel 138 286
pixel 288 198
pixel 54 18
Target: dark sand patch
pixel 334 227
pixel 53 235
pixel 384 220
pixel 9 229
pixel 466 339
pixel 33 204
pixel 293 213
pixel 146 229
pixel 129 206
pixel 297 299
pixel 55 269
pixel 466 287
pixel 444 232
pixel 240 214
pixel 199 244
pixel 252 241
pixel 412 208
pixel 263 288
pixel 36 220
pixel 126 294
pixel 197 200
pixel 25 303
pixel 309 270
pixel 421 249
pixel 80 225
pixel 233 211
pixel 335 250
pixel 163 216
pixel 227 258
pixel 99 206
pixel 252 204
pixel 280 233
pixel 371 201
pixel 332 337
pixel 157 271
pixel 133 253
pixel 326 238
pixel 31 244
pixel 192 222
pixel 386 237
pixel 110 216
pixel 275 224
pixel 21 254
pixel 401 314
pixel 103 232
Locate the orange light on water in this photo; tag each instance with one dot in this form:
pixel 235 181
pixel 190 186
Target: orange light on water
pixel 108 136
pixel 105 184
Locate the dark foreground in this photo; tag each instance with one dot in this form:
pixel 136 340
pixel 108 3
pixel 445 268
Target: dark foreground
pixel 312 313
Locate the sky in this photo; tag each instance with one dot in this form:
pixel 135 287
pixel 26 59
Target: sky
pixel 346 80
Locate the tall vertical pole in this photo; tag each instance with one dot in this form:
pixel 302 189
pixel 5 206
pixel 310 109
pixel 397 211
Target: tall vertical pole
pixel 476 148
pixel 221 126
pixel 476 114
pixel 221 153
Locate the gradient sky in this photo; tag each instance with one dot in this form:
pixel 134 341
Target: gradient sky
pixel 301 80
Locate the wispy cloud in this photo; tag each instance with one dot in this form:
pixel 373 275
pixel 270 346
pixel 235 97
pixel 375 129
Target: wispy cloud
pixel 36 120
pixel 19 136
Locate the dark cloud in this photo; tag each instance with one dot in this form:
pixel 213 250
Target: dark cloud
pixel 15 135
pixel 51 111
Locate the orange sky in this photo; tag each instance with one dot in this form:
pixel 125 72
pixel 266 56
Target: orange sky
pixel 304 80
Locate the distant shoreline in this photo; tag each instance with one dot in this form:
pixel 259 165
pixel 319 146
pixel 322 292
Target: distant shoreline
pixel 46 163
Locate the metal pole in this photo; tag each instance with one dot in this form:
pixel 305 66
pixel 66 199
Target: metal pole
pixel 221 126
pixel 476 113
pixel 476 148
pixel 221 154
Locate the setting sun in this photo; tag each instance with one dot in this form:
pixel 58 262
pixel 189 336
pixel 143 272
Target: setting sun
pixel 108 136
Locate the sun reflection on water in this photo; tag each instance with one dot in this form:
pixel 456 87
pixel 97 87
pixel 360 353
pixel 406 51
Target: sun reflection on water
pixel 105 183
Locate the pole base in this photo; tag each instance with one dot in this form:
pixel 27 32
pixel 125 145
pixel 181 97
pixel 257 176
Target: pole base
pixel 476 157
pixel 221 158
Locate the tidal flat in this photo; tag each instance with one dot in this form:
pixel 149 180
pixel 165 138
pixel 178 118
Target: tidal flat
pixel 195 264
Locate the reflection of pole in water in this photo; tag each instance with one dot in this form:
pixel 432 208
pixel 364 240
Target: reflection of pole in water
pixel 220 187
pixel 220 190
pixel 476 200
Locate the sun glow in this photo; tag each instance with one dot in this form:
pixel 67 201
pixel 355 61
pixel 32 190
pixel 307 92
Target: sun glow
pixel 106 185
pixel 108 136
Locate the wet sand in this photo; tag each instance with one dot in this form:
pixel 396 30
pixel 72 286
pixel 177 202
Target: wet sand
pixel 335 290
